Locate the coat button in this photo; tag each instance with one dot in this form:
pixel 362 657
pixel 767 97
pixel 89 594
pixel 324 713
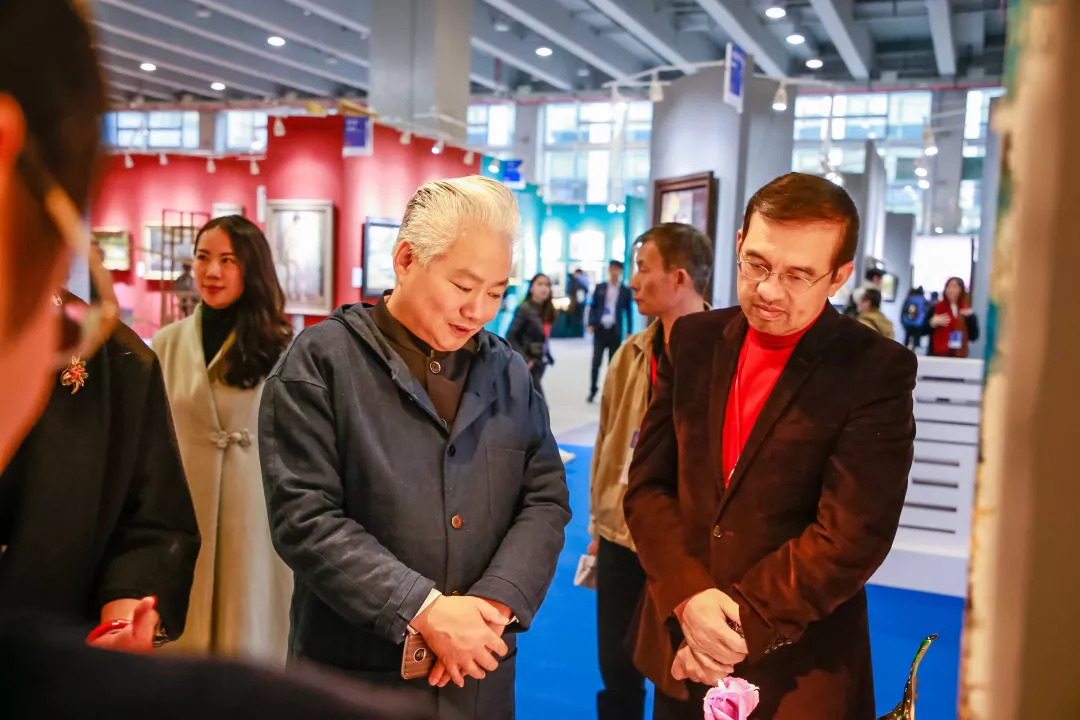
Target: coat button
pixel 717 532
pixel 455 593
pixel 451 451
pixel 435 367
pixel 457 522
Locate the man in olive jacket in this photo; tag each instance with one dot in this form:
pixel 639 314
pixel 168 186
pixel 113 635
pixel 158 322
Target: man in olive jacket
pixel 412 480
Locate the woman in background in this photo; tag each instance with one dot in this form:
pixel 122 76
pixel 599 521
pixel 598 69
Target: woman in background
pixel 952 324
pixel 214 362
pixel 531 328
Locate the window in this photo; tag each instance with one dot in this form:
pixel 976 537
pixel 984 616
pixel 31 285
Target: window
pixel 978 112
pixel 491 125
pixel 970 205
pixel 577 177
pixel 810 129
pixel 596 152
pixel 894 121
pixel 639 123
pixel 908 114
pixel 245 130
pixel 159 130
pixel 861 105
pixel 635 172
pixel 818 106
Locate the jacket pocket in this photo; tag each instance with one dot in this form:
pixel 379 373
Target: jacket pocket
pixel 506 468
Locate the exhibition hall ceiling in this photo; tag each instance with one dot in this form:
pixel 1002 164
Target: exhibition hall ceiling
pixel 279 49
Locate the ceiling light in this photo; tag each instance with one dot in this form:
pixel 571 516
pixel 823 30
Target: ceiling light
pixel 254 167
pixel 279 127
pixel 148 67
pixel 544 51
pixel 796 38
pixel 939 230
pixel 501 25
pixel 921 171
pixel 931 150
pixel 219 86
pixel 780 99
pixel 656 90
pixel 163 159
pixel 775 12
pixel 493 166
pixel 128 162
pixel 924 184
pixel 276 40
pixel 621 209
pixel 470 158
pixel 815 63
pixel 258 145
pixel 210 166
pixel 438 147
pixel 612 207
pixel 406 137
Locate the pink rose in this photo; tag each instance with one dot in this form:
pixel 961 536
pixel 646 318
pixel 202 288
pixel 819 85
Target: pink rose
pixel 732 699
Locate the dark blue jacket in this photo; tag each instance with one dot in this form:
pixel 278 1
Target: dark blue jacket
pixel 363 479
pixel 622 309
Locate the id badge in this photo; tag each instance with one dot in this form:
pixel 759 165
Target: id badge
pixel 624 478
pixel 956 340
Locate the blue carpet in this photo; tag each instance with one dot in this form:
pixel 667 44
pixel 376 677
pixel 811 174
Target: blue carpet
pixel 557 670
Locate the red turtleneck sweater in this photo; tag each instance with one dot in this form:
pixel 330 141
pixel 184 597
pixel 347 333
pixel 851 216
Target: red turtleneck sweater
pixel 761 361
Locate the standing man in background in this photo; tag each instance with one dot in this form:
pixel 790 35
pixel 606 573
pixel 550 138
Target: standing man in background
pixel 770 473
pixel 610 304
pixel 578 292
pixel 674 266
pixel 871 316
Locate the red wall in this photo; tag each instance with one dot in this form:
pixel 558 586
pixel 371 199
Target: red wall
pixel 305 163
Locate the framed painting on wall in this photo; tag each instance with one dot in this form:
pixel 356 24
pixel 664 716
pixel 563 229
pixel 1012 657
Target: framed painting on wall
pixel 115 245
pixel 301 237
pixel 690 199
pixel 380 235
pixel 165 250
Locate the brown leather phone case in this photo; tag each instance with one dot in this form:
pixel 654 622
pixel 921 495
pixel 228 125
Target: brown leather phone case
pixel 416 658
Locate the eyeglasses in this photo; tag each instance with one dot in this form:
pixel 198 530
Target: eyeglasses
pixel 792 283
pixel 83 328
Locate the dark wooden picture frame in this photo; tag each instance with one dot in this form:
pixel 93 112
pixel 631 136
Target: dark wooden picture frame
pixel 701 189
pixel 380 235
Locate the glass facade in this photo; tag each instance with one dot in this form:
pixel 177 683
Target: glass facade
pixel 491 126
pixel 976 127
pixel 596 152
pixel 843 124
pixel 157 130
pixel 245 130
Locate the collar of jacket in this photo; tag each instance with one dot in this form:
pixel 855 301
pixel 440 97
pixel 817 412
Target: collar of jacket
pixel 493 357
pixel 643 340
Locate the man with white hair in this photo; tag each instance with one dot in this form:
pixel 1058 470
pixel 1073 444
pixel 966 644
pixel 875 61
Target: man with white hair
pixel 412 480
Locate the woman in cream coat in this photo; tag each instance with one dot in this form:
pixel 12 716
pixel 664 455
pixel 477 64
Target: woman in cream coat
pixel 215 362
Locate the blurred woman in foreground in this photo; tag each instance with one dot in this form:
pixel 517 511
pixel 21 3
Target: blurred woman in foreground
pixel 50 107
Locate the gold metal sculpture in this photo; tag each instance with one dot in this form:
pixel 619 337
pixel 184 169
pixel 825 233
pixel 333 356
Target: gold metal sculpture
pixel 905 710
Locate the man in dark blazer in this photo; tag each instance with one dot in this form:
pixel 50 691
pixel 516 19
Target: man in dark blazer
pixel 412 480
pixel 769 476
pixel 610 305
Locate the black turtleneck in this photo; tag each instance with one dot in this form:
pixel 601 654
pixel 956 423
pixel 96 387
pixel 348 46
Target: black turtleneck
pixel 216 326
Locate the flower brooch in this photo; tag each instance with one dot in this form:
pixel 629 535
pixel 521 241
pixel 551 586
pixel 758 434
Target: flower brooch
pixel 75 375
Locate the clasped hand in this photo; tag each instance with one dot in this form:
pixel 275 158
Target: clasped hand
pixel 465 633
pixel 711 648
